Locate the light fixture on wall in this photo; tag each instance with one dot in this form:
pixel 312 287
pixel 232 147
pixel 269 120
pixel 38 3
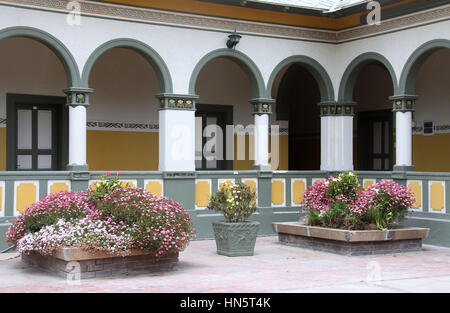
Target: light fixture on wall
pixel 233 40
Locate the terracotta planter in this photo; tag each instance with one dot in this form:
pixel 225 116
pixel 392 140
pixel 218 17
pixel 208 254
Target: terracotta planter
pixel 235 239
pixel 77 263
pixel 351 242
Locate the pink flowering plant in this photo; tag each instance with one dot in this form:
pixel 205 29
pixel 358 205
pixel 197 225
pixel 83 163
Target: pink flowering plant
pixel 340 202
pixel 385 203
pixel 64 205
pixel 121 219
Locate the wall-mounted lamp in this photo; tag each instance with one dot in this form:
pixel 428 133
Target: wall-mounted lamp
pixel 233 40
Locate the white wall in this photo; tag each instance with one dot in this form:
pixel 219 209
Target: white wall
pixel 433 89
pixel 124 86
pixel 182 48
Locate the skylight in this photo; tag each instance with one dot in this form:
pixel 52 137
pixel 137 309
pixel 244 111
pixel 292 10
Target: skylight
pixel 322 5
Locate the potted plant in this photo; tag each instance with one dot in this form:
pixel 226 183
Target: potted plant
pixel 344 218
pixel 109 231
pixel 236 235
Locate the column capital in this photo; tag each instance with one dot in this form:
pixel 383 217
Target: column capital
pixel 261 105
pixel 176 101
pixel 333 108
pixel 77 96
pixel 403 103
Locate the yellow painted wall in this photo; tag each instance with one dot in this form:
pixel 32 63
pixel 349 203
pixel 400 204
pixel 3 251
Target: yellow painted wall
pixel 247 163
pixel 117 150
pixel 244 13
pixel 3 149
pixel 431 153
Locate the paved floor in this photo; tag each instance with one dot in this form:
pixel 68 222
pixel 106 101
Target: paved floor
pixel 273 268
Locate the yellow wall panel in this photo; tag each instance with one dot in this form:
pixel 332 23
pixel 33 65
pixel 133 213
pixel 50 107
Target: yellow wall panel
pixel 368 183
pixel 202 193
pixel 122 151
pixel 416 189
pixel 437 196
pixel 277 192
pixel 298 191
pixel 154 187
pixel 57 187
pixel 127 183
pixel 26 194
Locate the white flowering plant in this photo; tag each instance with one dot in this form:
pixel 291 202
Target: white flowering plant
pixel 237 202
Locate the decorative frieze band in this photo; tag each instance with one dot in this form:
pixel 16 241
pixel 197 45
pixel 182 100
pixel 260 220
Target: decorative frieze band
pixel 331 108
pixel 176 102
pixel 133 14
pixel 403 103
pixel 261 106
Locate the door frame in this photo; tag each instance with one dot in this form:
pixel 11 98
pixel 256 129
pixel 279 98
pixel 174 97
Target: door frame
pixel 61 131
pixel 227 111
pixel 374 116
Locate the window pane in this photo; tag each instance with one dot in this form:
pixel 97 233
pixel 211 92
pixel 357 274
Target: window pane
pixel 44 161
pixel 377 137
pixel 24 162
pixel 44 129
pixel 24 129
pixel 386 137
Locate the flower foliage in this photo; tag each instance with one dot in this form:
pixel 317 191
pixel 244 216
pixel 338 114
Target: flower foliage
pixel 64 205
pixel 120 220
pixel 235 201
pixel 341 203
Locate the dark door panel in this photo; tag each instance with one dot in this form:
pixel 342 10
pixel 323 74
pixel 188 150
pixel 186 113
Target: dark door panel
pixel 375 140
pixel 37 133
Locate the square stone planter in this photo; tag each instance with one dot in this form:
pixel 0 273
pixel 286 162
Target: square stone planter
pixel 235 239
pixel 350 242
pixel 76 263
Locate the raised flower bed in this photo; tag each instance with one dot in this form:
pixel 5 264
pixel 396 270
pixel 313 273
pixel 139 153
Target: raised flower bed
pixel 346 219
pixel 106 231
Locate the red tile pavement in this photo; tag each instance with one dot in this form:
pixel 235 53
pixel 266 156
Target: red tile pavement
pixel 273 268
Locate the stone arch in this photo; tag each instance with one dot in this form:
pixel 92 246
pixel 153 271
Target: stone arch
pixel 61 51
pixel 414 63
pixel 352 71
pixel 315 68
pixel 155 60
pixel 249 67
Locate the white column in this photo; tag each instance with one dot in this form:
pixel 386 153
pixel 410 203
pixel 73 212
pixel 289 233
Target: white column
pixel 176 133
pixel 261 109
pixel 77 100
pixel 403 108
pixel 262 141
pixel 326 143
pixel 336 136
pixel 77 136
pixel 403 138
pixel 343 143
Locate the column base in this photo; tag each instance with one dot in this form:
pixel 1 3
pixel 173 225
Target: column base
pixel 403 168
pixel 77 167
pixel 259 167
